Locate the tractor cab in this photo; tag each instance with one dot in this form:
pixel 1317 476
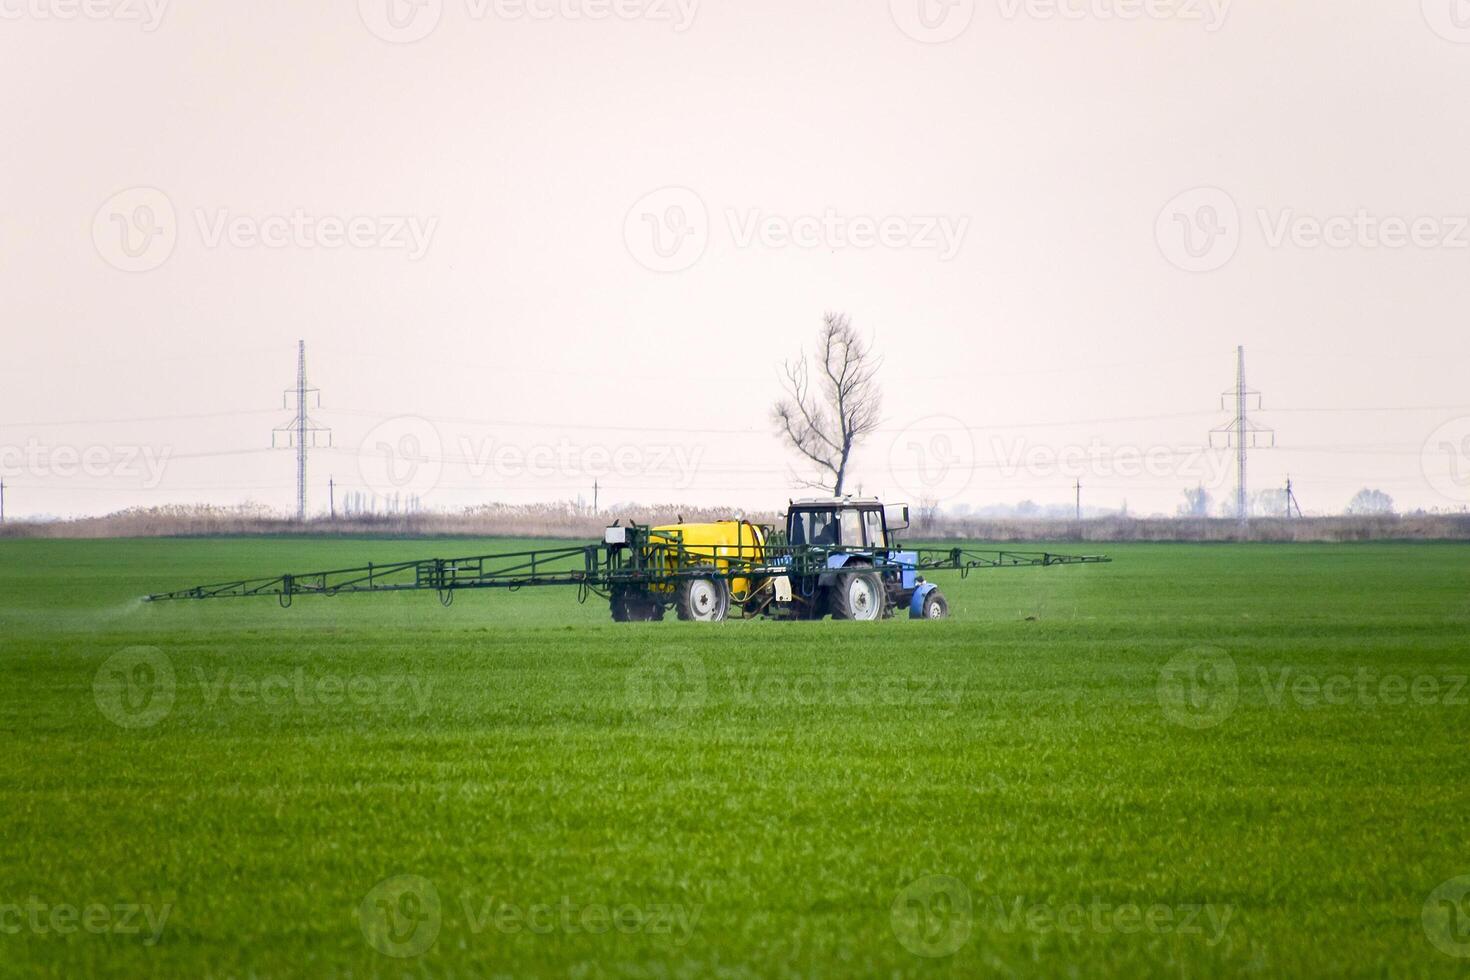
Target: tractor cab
pixel 845 522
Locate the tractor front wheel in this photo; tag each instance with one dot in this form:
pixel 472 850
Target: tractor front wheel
pixel 934 606
pixel 703 600
pixel 858 595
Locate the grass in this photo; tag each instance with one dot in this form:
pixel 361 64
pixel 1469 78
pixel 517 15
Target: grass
pixel 1228 738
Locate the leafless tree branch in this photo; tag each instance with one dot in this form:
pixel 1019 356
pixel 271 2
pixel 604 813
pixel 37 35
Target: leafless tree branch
pixel 825 425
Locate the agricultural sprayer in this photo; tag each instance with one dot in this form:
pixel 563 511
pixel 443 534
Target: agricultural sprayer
pixel 836 557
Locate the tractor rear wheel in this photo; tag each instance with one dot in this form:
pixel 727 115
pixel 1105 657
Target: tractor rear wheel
pixel 859 596
pixel 703 600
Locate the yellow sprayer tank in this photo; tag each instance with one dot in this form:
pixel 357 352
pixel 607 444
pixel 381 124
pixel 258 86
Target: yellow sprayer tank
pixel 721 544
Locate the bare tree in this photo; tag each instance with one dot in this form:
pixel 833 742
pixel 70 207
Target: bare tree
pixel 824 419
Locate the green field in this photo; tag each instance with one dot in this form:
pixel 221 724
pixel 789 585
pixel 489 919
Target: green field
pixel 1196 761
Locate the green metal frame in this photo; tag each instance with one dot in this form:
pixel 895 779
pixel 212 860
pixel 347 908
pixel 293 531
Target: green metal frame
pixel 649 560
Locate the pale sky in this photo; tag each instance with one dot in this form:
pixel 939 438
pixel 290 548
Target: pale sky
pixel 534 243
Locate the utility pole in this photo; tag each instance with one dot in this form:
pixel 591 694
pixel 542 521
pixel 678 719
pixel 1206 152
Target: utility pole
pixel 301 431
pixel 1291 502
pixel 594 496
pixel 1242 434
pixel 332 495
pixel 1079 500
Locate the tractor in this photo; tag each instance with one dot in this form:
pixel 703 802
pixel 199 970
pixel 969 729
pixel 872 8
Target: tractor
pixel 835 557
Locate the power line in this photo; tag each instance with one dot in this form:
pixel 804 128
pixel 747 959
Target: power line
pixel 302 429
pixel 1241 433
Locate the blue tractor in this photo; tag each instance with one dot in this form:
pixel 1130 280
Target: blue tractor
pixel 867 576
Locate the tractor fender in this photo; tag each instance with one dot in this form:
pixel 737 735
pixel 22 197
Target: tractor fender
pixel 916 604
pixel 838 561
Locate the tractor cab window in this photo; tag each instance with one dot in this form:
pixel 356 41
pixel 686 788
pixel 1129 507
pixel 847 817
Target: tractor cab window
pixel 813 527
pixel 873 521
pixel 852 529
